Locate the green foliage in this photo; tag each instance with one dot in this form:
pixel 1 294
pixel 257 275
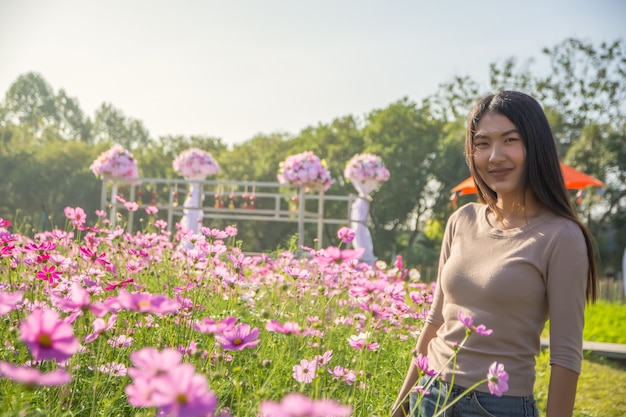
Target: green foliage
pixel 604 322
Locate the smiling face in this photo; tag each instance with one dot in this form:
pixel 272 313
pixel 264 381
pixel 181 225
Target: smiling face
pixel 499 155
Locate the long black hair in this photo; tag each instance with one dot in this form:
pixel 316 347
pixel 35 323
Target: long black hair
pixel 543 174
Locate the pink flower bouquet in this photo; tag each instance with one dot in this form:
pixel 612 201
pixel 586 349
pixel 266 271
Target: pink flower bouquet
pixel 305 170
pixel 366 171
pixel 116 163
pixel 195 163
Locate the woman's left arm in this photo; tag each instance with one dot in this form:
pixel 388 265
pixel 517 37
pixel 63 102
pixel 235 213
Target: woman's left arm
pixel 566 284
pixel 561 392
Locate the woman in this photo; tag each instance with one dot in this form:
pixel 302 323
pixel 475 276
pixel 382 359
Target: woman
pixel 510 262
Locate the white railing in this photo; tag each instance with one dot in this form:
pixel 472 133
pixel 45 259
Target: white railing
pixel 270 202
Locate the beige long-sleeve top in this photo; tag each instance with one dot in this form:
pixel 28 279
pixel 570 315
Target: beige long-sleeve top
pixel 511 281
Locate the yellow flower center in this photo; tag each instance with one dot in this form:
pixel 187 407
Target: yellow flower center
pixel 237 342
pixel 45 340
pixel 181 399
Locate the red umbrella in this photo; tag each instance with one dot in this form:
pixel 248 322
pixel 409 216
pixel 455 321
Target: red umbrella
pixel 574 180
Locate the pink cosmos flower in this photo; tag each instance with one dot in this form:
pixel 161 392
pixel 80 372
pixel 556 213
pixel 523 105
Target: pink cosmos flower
pixel 117 284
pixel 140 392
pixel 287 328
pixel 9 301
pixel 346 234
pixel 76 215
pixel 420 390
pixel 40 248
pixel 47 336
pixel 231 230
pixel 120 341
pixel 305 372
pixel 497 379
pixel 298 405
pixel 296 272
pixel 339 372
pixel 213 233
pixel 184 393
pixel 93 256
pixel 149 362
pixel 207 325
pixel 421 362
pixel 147 303
pixel 31 376
pixel 131 206
pixel 161 224
pixel 324 358
pixel 77 299
pixel 333 254
pixel 100 326
pixel 5 223
pixel 238 337
pixel 152 210
pixel 113 369
pixel 468 322
pixel 360 342
pixel 133 267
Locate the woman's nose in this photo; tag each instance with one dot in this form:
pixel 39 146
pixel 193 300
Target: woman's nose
pixel 497 153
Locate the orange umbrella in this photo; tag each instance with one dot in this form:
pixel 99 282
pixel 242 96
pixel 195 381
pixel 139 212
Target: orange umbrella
pixel 574 180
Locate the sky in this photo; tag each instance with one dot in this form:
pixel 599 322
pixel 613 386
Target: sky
pixel 234 69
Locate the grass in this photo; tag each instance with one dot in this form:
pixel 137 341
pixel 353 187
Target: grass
pixel 601 387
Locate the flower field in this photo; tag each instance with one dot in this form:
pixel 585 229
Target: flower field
pixel 98 322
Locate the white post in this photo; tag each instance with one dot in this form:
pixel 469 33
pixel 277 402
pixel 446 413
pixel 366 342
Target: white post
pixel 358 223
pixel 192 207
pixel 131 214
pixel 301 196
pixel 320 219
pixel 113 215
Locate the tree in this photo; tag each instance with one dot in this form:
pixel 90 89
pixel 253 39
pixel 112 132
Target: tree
pixel 405 137
pixel 30 104
pixel 111 126
pixel 72 123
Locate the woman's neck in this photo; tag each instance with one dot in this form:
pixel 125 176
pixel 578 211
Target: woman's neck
pixel 515 212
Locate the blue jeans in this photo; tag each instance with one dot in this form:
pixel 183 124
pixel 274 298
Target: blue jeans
pixel 472 404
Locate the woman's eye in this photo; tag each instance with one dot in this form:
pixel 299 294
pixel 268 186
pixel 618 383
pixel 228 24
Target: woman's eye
pixel 512 139
pixel 481 145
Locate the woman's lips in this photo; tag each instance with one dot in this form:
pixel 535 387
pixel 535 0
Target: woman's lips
pixel 500 173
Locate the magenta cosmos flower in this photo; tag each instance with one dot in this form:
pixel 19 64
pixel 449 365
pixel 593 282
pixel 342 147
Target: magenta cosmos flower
pixel 299 405
pixel 497 379
pixel 468 322
pixel 346 234
pixel 49 274
pixel 47 336
pixel 421 362
pixel 30 376
pixel 238 337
